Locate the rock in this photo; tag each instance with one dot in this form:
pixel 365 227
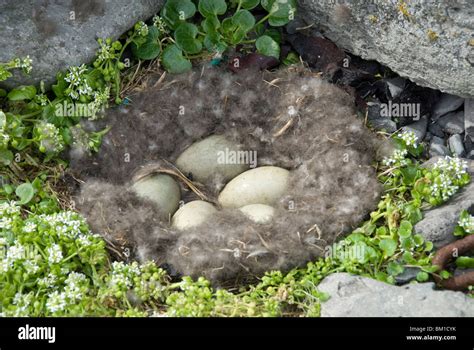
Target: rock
pixel 456 145
pixel 419 128
pixel 206 158
pixel 396 86
pixel 447 103
pixel 470 155
pixel 263 185
pixel 438 223
pixel 425 43
pixel 357 296
pixel 258 213
pixel 192 214
pixel 59 34
pixel 452 123
pixel 161 190
pixel 409 274
pixel 469 117
pixel 379 122
pixel 435 129
pixel 437 147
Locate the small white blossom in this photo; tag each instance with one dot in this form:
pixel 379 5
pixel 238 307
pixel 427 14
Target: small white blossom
pixel 56 302
pixel 467 224
pixel 55 254
pixel 409 138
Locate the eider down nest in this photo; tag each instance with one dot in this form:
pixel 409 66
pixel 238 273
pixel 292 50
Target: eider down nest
pixel 291 118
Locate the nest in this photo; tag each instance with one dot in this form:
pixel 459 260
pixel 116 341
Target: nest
pixel 291 117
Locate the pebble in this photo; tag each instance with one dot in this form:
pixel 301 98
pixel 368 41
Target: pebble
pixel 452 123
pixel 447 103
pixel 456 145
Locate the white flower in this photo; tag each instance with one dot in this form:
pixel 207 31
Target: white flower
pixel 141 28
pixel 408 137
pixel 48 281
pixel 55 254
pixel 398 157
pixel 73 286
pixel 29 227
pixel 467 224
pixel 31 267
pixel 15 253
pixel 56 302
pixel 9 208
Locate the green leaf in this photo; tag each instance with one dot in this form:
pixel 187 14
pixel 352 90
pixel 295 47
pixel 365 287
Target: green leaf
pixel 428 246
pixel 174 61
pixel 22 93
pixel 465 262
pixel 211 24
pixel 249 4
pixel 209 8
pixel 407 243
pixel 176 12
pixel 280 13
pixel 150 49
pixel 3 92
pixel 6 157
pixel 25 192
pixel 405 229
pixel 445 274
pixel 418 239
pixel 60 85
pixel 213 43
pixel 394 269
pixel 407 257
pixel 409 174
pixel 185 36
pixel 388 246
pixel 268 47
pixel 237 26
pixel 422 276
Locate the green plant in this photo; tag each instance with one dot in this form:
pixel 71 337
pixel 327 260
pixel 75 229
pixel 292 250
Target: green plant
pixel 221 25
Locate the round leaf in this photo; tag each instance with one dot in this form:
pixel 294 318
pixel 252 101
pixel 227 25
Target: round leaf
pixel 150 49
pixel 185 36
pixel 280 12
pixel 209 8
pixel 22 93
pixel 268 47
pixel 388 246
pixel 173 60
pixel 6 156
pixel 422 276
pixel 249 4
pixel 25 192
pixel 176 12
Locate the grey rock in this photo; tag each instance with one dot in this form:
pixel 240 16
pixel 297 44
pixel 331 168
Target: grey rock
pixel 377 121
pixel 357 296
pixel 396 86
pixel 456 145
pixel 409 274
pixel 437 147
pixel 458 271
pixel 470 155
pixel 58 34
pixel 447 103
pixel 379 30
pixel 435 129
pixel 452 123
pixel 438 223
pixel 469 117
pixel 419 128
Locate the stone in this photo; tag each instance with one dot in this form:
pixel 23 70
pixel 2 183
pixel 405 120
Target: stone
pixel 408 275
pixel 419 128
pixel 447 103
pixel 469 117
pixel 59 34
pixel 377 121
pixel 456 145
pixel 438 223
pixel 258 213
pixel 427 44
pixel 263 185
pixel 452 123
pixel 192 214
pixel 396 86
pixel 435 129
pixel 206 158
pixel 470 155
pixel 160 189
pixel 437 147
pixel 357 296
